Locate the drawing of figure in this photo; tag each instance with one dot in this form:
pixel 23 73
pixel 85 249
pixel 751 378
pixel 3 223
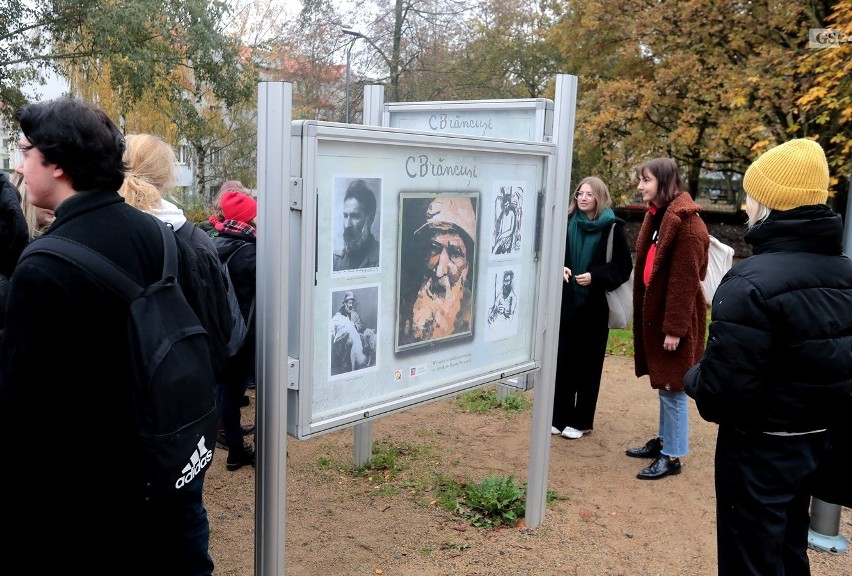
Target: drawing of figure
pixel 507 224
pixel 505 301
pixel 436 300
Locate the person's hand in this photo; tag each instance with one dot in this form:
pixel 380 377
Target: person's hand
pixel 584 279
pixel 671 343
pixel 566 274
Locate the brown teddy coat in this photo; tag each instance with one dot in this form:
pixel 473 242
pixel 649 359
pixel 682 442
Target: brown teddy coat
pixel 673 302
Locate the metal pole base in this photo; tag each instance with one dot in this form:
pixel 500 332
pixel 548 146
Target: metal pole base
pixel 831 544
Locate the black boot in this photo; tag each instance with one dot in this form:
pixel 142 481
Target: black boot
pixel 223 444
pixel 651 449
pixel 239 458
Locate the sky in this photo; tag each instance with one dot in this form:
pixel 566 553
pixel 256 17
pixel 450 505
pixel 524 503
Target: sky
pixel 54 88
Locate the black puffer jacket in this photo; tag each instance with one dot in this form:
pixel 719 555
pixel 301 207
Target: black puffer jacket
pixel 779 356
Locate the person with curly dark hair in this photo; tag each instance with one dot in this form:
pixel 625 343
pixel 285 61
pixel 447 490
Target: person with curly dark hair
pixel 669 309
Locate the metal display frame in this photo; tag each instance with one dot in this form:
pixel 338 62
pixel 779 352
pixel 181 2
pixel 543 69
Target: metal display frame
pixel 319 148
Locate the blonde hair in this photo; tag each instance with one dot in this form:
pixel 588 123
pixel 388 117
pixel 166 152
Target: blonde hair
pixel 38 219
pixel 150 163
pixel 599 190
pixel 756 211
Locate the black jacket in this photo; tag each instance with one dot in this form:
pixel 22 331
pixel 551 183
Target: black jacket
pixel 64 369
pixel 605 276
pixel 243 272
pixel 13 236
pixel 779 355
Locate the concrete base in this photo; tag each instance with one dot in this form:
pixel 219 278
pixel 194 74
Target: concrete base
pixel 831 544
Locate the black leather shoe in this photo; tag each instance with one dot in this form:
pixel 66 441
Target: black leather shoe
pixel 660 468
pixel 247 429
pixel 651 449
pixel 239 458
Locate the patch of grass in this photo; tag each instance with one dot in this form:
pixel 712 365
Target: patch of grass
pixel 620 342
pixel 387 459
pixel 482 400
pixel 457 546
pixel 493 502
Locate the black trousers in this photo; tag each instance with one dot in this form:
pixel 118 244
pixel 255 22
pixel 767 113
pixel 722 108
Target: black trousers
pixel 763 498
pixel 579 366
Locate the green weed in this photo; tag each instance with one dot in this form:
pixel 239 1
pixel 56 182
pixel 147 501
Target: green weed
pixel 493 502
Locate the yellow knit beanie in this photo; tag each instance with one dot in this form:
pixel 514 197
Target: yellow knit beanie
pixel 790 175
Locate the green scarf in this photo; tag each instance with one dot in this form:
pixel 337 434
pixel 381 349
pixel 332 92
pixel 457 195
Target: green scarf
pixel 583 238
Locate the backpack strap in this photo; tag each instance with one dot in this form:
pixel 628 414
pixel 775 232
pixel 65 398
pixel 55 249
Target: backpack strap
pixel 227 260
pixel 102 267
pixel 231 255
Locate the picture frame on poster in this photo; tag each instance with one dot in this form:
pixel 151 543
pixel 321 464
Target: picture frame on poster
pixel 437 265
pixel 357 225
pixel 353 327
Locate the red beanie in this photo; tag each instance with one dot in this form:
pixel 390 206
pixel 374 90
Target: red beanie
pixel 238 206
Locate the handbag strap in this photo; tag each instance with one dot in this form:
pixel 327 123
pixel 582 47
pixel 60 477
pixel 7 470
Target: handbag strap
pixel 609 243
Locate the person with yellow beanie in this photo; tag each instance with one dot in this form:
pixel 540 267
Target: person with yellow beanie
pixel 777 372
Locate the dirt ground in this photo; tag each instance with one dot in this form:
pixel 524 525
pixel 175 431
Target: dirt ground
pixel 606 522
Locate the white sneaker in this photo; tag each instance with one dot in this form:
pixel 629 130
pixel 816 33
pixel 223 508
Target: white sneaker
pixel 554 430
pixel 572 433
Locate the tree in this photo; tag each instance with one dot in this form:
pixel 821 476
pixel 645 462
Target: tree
pixel 302 51
pixel 177 61
pixel 501 51
pixel 710 83
pixel 829 98
pixel 27 36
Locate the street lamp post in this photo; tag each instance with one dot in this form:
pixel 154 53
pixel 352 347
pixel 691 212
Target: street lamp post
pixel 355 35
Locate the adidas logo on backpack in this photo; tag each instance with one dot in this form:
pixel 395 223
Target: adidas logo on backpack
pixel 198 461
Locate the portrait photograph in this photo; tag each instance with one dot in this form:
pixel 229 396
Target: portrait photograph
pixel 436 283
pixel 507 219
pixel 356 225
pixel 353 329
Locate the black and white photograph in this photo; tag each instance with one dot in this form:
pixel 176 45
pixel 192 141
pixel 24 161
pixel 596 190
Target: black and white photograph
pixel 356 224
pixel 437 268
pixel 353 329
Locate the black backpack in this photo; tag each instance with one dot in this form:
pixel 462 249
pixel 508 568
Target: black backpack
pixel 226 336
pixel 171 369
pixel 240 327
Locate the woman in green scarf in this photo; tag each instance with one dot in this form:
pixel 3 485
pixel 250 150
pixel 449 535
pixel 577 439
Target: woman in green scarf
pixel 583 329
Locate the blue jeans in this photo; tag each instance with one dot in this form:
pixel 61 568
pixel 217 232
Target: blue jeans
pixel 674 423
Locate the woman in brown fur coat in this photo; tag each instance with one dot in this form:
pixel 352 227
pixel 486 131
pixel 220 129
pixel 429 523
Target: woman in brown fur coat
pixel 669 310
